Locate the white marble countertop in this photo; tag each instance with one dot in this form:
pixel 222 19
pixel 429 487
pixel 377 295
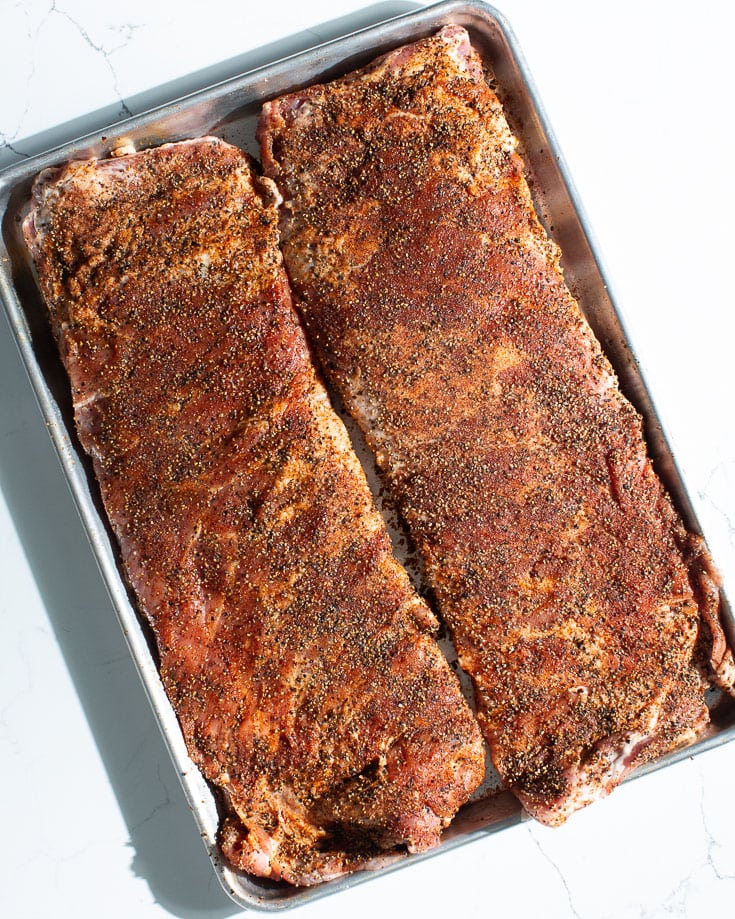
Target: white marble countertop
pixel 94 822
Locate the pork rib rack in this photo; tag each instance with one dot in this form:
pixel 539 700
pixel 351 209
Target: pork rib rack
pixel 294 651
pixel 436 302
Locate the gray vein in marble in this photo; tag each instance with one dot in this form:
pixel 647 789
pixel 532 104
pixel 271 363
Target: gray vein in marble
pixel 158 807
pixel 100 49
pixel 8 139
pixel 23 425
pixel 126 31
pixel 136 752
pixel 69 856
pixel 712 843
pixel 108 661
pixel 60 860
pixel 21 691
pixel 559 873
pixel 676 903
pixel 705 495
pixel 7 145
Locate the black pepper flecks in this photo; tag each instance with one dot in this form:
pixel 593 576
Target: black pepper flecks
pixel 292 645
pixel 439 311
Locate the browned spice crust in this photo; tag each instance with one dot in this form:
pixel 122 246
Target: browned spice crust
pixel 438 308
pixel 292 647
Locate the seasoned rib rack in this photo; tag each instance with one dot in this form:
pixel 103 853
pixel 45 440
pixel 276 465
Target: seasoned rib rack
pixel 586 615
pixel 292 647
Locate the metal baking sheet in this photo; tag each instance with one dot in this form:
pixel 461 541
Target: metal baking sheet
pixel 230 110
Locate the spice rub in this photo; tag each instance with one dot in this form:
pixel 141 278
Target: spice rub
pixel 586 615
pixel 297 656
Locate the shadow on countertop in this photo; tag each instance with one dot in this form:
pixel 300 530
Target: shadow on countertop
pixel 167 852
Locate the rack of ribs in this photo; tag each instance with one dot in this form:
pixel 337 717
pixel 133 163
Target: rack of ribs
pixel 586 615
pixel 296 655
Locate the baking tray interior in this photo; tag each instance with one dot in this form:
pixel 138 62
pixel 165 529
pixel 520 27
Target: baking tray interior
pixel 230 110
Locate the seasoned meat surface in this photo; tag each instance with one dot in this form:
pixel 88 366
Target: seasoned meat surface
pixel 297 656
pixel 578 603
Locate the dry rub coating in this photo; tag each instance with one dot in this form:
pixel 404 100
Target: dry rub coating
pixel 292 647
pixel 436 302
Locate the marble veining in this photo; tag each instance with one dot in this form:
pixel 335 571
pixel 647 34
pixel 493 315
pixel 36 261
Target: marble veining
pixel 122 34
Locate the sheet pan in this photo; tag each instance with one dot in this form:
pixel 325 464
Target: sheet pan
pixel 230 110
